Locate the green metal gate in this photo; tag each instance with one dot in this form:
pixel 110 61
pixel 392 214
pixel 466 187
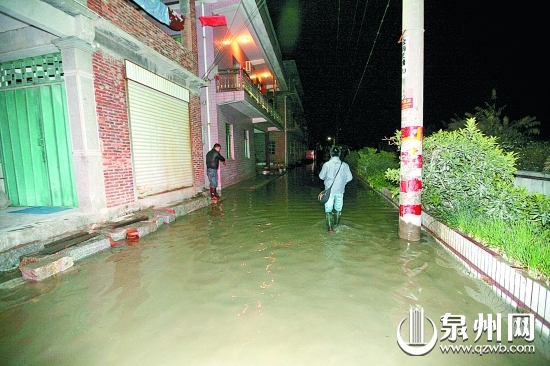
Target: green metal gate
pixel 35 146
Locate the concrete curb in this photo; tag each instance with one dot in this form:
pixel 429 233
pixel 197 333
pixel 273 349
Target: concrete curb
pixel 514 286
pixel 36 269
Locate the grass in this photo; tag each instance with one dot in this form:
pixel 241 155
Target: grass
pixel 520 242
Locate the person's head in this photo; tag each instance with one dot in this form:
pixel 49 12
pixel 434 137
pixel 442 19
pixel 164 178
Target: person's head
pixel 217 147
pixel 335 151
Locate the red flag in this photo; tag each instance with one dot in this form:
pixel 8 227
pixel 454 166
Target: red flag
pixel 213 20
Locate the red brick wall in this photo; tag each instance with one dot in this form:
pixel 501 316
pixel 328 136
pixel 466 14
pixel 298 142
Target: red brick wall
pixel 114 131
pixel 196 140
pixel 111 98
pixel 124 16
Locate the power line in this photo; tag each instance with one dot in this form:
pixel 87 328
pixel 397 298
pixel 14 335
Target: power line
pixel 370 55
pixel 222 50
pixel 360 29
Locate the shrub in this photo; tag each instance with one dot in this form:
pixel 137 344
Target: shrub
pixel 467 182
pixel 372 160
pixel 372 165
pixel 352 159
pixel 464 167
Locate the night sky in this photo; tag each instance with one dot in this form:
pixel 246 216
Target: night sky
pixel 350 65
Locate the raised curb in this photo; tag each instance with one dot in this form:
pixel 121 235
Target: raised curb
pixel 50 265
pixel 513 285
pixel 47 267
pixel 86 248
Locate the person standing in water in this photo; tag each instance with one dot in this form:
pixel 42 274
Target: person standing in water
pixel 335 170
pixel 213 158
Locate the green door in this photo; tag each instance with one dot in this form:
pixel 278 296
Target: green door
pixel 35 146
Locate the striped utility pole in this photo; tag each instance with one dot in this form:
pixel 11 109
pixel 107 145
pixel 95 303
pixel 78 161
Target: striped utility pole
pixel 412 123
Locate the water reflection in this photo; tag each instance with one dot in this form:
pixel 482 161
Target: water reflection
pixel 252 280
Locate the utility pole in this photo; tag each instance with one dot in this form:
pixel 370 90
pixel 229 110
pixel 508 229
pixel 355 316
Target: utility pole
pixel 412 119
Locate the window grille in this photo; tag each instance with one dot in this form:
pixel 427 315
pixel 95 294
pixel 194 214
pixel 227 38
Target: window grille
pixel 31 71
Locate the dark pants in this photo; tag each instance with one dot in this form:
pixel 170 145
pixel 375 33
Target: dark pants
pixel 212 177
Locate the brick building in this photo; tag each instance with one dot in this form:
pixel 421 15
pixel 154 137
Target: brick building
pixel 99 105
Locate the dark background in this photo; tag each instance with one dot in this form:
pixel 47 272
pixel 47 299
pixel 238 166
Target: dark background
pixel 349 61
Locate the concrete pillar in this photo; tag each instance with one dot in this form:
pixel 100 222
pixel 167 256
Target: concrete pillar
pixel 76 53
pixel 412 120
pixel 267 153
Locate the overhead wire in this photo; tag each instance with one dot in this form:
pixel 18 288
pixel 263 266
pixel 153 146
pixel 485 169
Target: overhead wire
pixel 360 28
pixel 353 23
pixel 369 58
pixel 337 50
pixel 217 56
pixel 351 58
pixel 222 50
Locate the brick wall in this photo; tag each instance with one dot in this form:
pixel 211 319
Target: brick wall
pixel 111 98
pixel 196 140
pixel 124 16
pixel 114 131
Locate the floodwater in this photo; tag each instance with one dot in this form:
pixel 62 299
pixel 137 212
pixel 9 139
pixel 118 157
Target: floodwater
pixel 255 280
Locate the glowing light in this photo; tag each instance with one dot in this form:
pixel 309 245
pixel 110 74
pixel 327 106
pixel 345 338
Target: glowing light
pixel 244 39
pixel 226 42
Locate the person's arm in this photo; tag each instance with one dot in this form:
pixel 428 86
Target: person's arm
pixel 323 173
pixel 221 158
pixel 349 176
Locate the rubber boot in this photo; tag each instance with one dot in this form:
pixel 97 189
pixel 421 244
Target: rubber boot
pixel 337 218
pixel 328 218
pixel 213 195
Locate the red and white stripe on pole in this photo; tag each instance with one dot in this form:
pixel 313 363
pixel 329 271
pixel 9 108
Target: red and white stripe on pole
pixel 412 110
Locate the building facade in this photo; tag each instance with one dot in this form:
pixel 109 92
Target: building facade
pixel 251 104
pixel 99 104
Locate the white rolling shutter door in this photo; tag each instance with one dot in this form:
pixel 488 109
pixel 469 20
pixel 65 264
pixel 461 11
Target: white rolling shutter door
pixel 161 141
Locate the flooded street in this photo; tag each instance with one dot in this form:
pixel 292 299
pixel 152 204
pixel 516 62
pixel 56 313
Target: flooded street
pixel 253 280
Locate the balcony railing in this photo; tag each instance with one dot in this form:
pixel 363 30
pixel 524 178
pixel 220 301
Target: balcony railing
pixel 238 79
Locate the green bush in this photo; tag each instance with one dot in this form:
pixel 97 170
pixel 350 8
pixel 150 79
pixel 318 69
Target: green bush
pixel 465 167
pixel 372 161
pixel 372 165
pixel 352 159
pixel 536 209
pixel 468 184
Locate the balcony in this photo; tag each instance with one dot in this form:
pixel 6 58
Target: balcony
pixel 241 93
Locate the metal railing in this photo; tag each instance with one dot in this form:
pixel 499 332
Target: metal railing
pixel 238 79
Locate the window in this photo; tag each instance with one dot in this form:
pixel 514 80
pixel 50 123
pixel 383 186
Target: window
pixel 229 140
pixel 247 144
pixel 271 147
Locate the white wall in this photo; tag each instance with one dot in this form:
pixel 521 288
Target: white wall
pixel 533 181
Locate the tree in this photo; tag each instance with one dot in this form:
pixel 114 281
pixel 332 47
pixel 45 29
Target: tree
pixel 510 134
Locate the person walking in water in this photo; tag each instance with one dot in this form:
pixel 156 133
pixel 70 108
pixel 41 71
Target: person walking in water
pixel 335 170
pixel 213 158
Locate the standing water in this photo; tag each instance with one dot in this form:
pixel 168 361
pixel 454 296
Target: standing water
pixel 257 280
